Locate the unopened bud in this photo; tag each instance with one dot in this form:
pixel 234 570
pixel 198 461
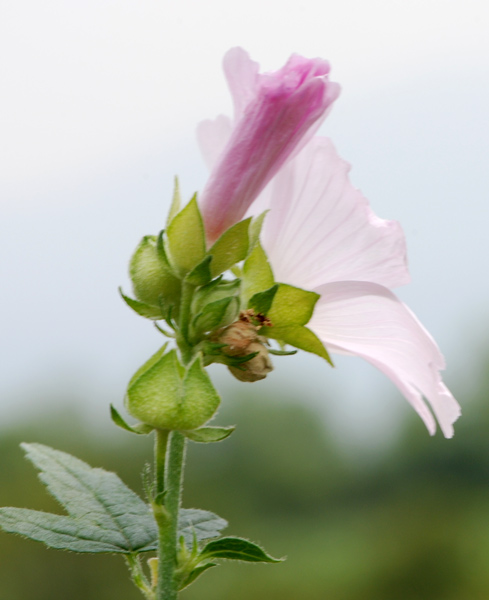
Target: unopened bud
pixel 257 368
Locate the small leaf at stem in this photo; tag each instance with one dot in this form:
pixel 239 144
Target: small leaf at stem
pixel 234 548
pixel 141 308
pixel 192 576
pixel 209 434
pixel 261 302
pixel 140 428
pixel 231 248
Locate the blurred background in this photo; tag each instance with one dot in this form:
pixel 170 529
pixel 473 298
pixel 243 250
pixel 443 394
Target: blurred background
pixel 99 102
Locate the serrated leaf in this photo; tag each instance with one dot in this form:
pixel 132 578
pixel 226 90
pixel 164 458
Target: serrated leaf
pixel 209 434
pixel 234 548
pixel 292 306
pixel 142 309
pixel 257 273
pixel 261 302
pixel 300 337
pixel 192 576
pixel 175 203
pixel 231 248
pixel 186 238
pixel 201 274
pixel 102 507
pixel 140 428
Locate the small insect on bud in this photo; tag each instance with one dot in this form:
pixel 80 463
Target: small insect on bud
pixel 241 338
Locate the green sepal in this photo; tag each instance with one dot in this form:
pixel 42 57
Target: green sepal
pixel 141 308
pixel 201 274
pixel 292 306
pixel 185 238
pixel 166 395
pixel 152 278
pixel 140 428
pixel 255 230
pixel 209 434
pixel 192 576
pixel 232 247
pixel 213 291
pixel 282 352
pixel 175 203
pixel 233 548
pixel 214 316
pixel 261 302
pixel 300 337
pixel 257 274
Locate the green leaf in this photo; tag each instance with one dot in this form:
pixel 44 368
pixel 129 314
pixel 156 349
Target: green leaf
pixel 140 428
pixel 282 352
pixel 104 514
pixel 186 238
pixel 142 309
pixel 192 576
pixel 213 291
pixel 300 337
pixel 201 274
pixel 231 248
pixel 215 315
pixel 261 302
pixel 257 273
pixel 255 229
pixel 209 434
pixel 234 548
pixel 165 395
pixel 175 203
pixel 202 524
pixel 292 306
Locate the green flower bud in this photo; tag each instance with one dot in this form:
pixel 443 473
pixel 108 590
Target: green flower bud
pixel 166 395
pixel 151 275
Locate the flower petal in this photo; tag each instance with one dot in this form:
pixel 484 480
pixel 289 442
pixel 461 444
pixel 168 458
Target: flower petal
pixel 321 229
pixel 367 320
pixel 276 113
pixel 212 136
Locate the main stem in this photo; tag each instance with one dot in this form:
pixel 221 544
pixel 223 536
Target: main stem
pixel 167 518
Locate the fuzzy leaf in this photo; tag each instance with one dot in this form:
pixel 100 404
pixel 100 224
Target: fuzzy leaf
pixel 234 548
pixel 175 203
pixel 209 434
pixel 255 229
pixel 231 248
pixel 216 315
pixel 140 428
pixel 192 576
pixel 201 523
pixel 201 274
pixel 257 274
pixel 261 302
pixel 141 308
pixel 186 238
pixel 292 306
pixel 300 337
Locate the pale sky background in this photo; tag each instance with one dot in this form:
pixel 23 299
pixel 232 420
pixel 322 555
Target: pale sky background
pixel 98 106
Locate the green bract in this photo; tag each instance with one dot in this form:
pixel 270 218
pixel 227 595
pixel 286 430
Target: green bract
pixel 185 238
pixel 166 395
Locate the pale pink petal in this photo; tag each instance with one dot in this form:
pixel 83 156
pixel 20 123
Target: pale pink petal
pixel 367 320
pixel 276 115
pixel 212 137
pixel 321 229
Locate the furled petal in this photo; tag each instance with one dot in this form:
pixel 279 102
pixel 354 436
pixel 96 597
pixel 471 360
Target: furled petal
pixel 321 229
pixel 275 114
pixel 367 320
pixel 212 136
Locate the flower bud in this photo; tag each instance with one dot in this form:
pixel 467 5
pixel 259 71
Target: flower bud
pixel 255 369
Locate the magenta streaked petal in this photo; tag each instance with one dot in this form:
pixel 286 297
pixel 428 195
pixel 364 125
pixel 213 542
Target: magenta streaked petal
pixel 367 320
pixel 276 114
pixel 321 229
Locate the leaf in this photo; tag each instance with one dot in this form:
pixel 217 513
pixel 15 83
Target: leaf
pixel 175 203
pixel 141 308
pixel 255 229
pixel 234 548
pixel 140 429
pixel 292 306
pixel 201 274
pixel 104 514
pixel 209 434
pixel 300 337
pixel 186 238
pixel 257 273
pixel 215 315
pixel 192 576
pixel 201 523
pixel 261 302
pixel 231 248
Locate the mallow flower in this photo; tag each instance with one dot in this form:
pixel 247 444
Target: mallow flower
pixel 319 233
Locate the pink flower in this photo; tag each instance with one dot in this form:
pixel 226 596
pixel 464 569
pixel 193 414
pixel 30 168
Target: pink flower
pixel 321 235
pixel 275 114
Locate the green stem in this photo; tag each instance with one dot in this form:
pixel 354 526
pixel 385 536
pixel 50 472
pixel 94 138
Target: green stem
pixel 184 322
pixel 138 576
pixel 167 521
